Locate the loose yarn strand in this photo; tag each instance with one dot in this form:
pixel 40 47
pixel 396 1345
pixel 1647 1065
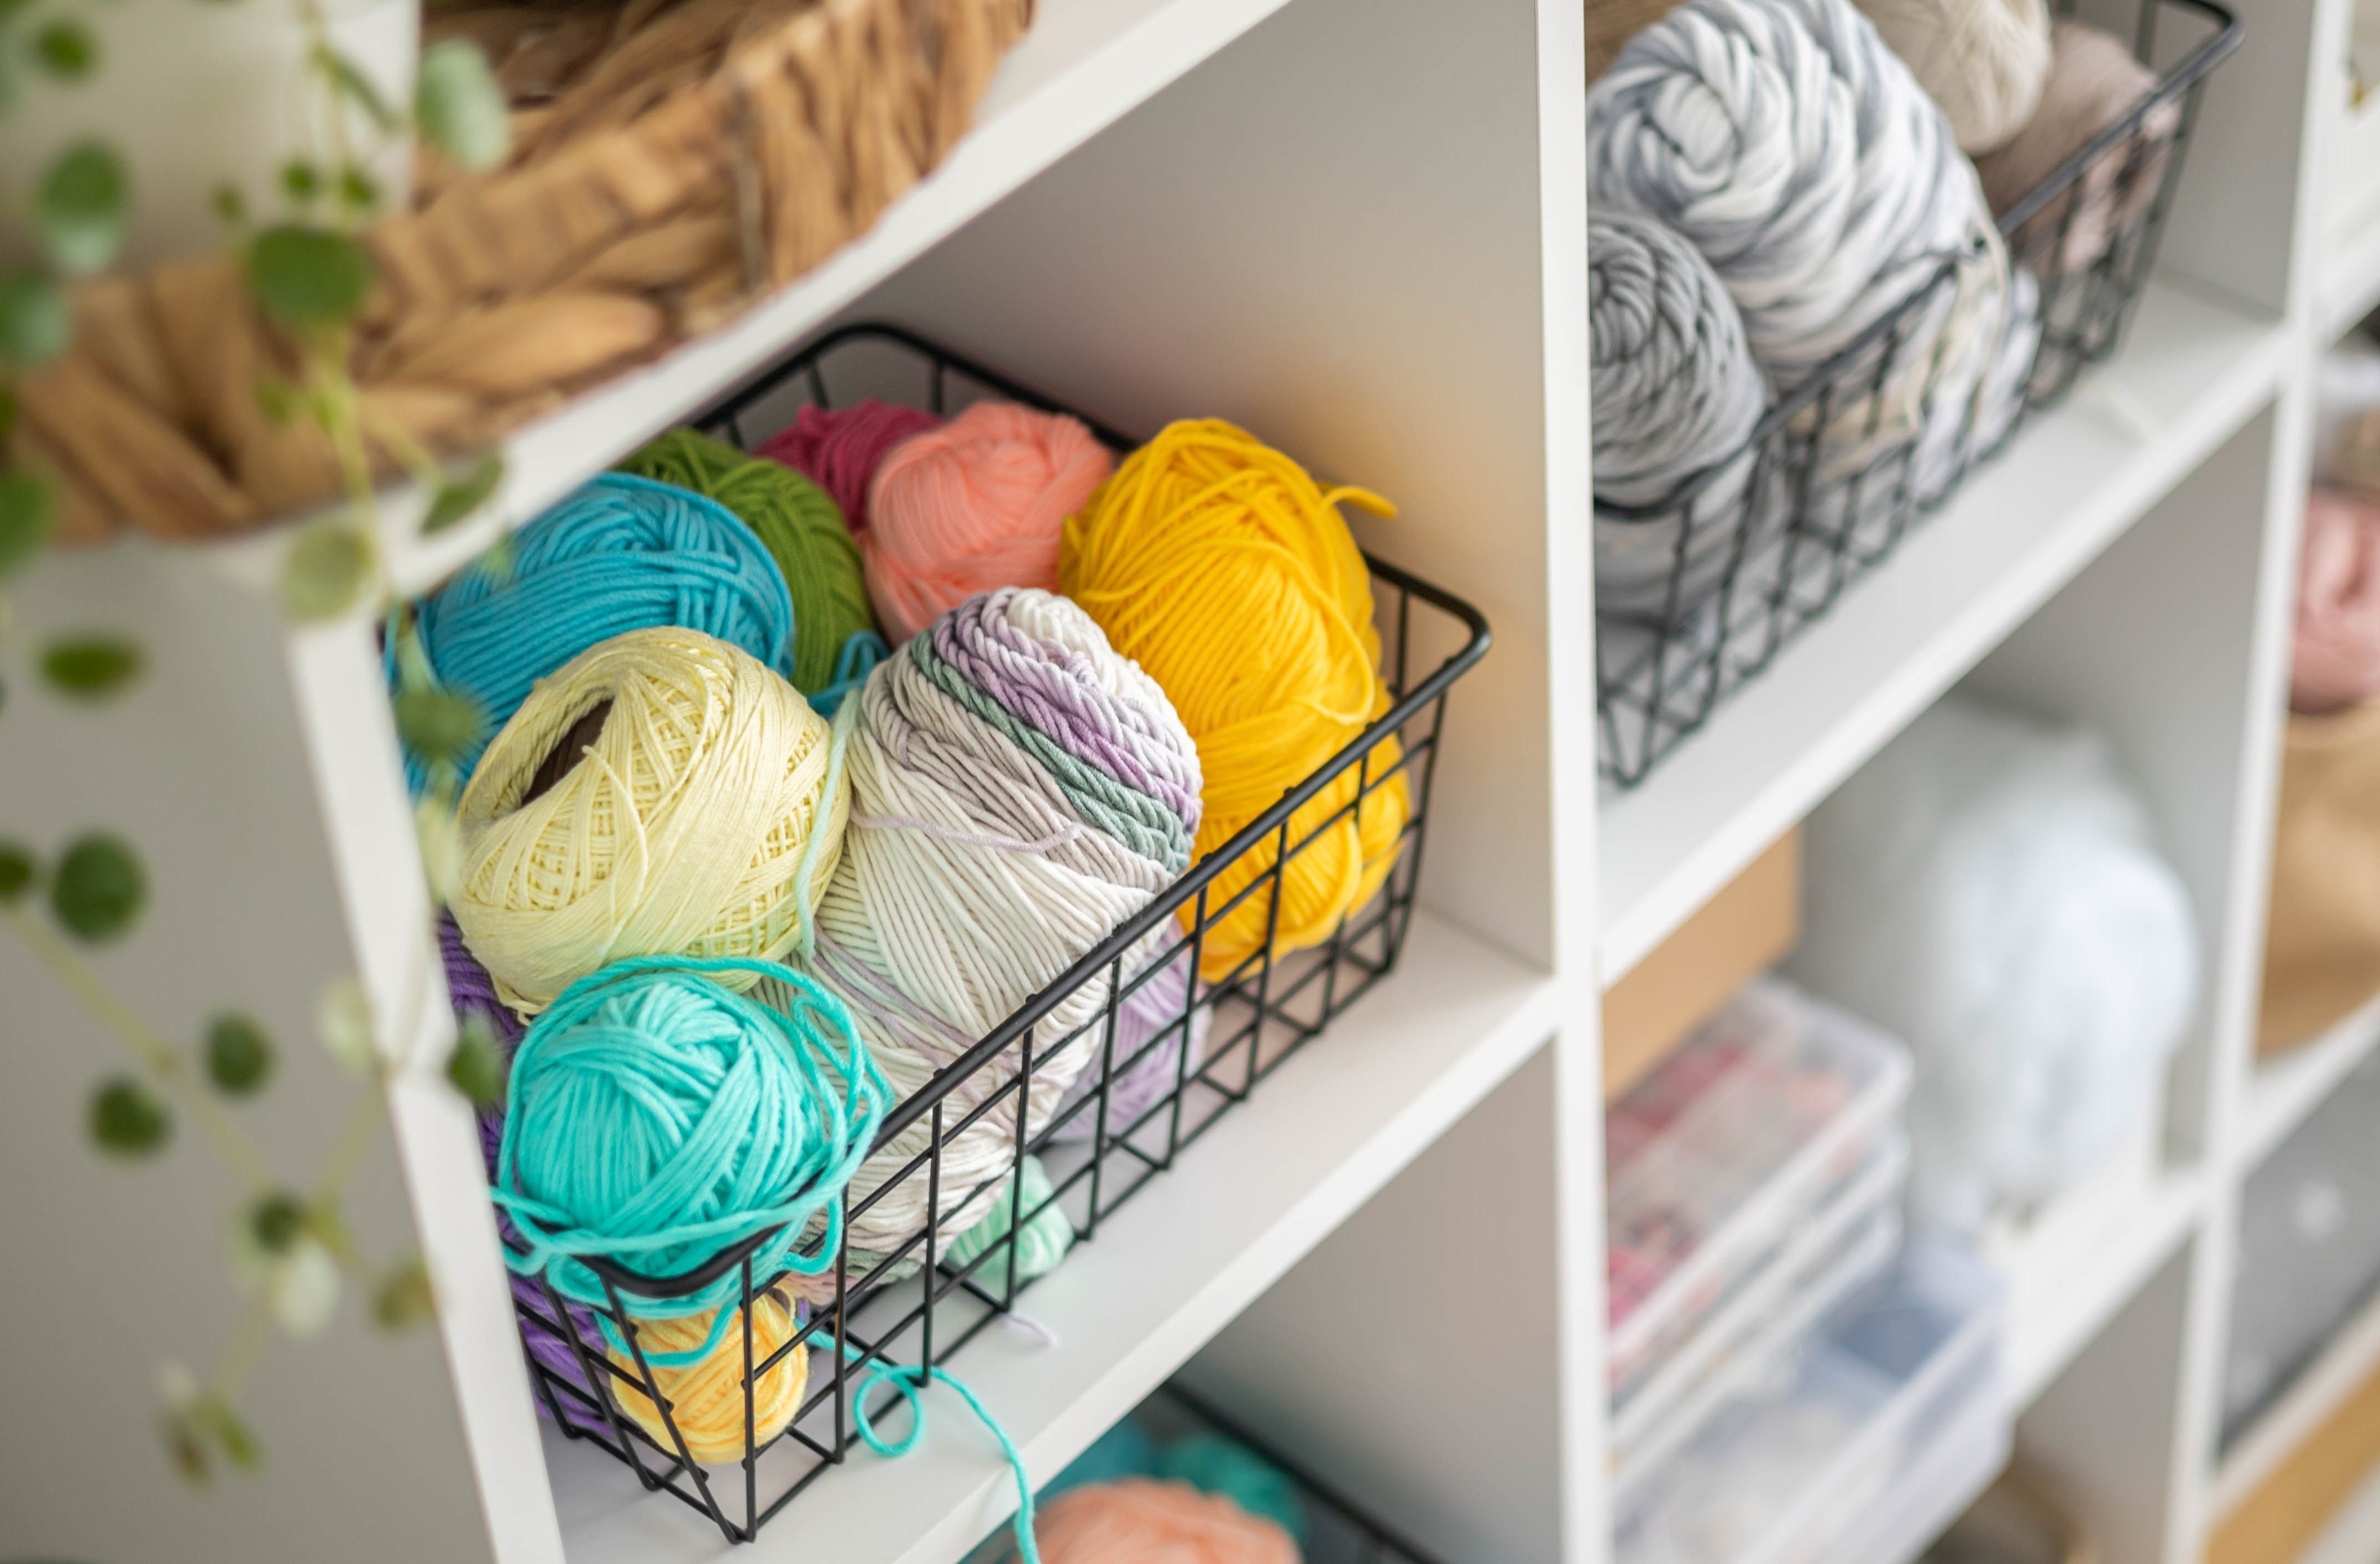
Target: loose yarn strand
pixel 908 1382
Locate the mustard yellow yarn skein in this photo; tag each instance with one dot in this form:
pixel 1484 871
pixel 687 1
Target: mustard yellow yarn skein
pixel 706 1397
pixel 664 794
pixel 1220 567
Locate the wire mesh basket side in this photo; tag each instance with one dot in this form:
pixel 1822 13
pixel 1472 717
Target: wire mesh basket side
pixel 1142 1100
pixel 1699 591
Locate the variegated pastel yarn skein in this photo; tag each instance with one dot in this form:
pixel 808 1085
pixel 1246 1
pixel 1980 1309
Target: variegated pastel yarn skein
pixel 1018 789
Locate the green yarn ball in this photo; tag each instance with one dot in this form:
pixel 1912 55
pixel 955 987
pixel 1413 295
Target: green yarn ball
pixel 802 529
pixel 1048 1235
pixel 1213 1464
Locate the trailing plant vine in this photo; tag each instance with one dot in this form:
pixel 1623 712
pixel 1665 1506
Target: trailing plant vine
pixel 308 275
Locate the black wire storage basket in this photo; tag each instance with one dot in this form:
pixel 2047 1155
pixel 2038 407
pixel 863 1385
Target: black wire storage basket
pixel 1727 567
pixel 908 1311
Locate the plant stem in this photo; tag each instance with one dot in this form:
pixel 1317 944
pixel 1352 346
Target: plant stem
pixel 161 1060
pixel 241 1351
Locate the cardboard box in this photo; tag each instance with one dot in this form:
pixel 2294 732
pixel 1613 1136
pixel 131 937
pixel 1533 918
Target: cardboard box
pixel 1738 935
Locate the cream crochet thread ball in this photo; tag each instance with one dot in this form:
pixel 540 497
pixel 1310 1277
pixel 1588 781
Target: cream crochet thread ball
pixel 684 783
pixel 1984 61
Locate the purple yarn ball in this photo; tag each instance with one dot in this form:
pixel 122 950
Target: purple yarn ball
pixel 1141 1079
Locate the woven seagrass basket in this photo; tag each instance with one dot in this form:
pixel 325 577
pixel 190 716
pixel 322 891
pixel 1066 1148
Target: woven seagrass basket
pixel 673 161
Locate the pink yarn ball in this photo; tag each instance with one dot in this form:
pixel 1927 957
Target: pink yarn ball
pixel 974 505
pixel 840 448
pixel 1139 1520
pixel 2337 659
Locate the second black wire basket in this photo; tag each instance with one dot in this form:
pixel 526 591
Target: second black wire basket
pixel 1726 569
pixel 909 1311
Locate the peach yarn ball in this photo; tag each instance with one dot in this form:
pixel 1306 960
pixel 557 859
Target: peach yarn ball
pixel 974 505
pixel 1139 1520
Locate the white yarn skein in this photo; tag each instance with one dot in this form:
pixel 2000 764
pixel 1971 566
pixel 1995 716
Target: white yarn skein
pixel 969 882
pixel 1675 393
pixel 1794 150
pixel 1985 62
pixel 1988 889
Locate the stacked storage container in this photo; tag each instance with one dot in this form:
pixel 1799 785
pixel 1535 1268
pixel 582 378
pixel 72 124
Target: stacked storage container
pixel 1779 1358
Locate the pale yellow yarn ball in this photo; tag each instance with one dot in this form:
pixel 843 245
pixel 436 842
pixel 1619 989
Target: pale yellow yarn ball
pixel 1984 61
pixel 679 824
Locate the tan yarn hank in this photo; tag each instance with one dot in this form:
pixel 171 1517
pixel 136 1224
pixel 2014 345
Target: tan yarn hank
pixel 683 830
pixel 2093 84
pixel 2322 939
pixel 675 160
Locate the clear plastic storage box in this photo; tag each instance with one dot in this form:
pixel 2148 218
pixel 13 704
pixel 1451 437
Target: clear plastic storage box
pixel 1896 1418
pixel 1725 1155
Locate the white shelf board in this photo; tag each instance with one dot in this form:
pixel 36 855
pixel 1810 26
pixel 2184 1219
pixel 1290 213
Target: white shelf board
pixel 2082 1260
pixel 1170 1268
pixel 2349 276
pixel 2284 1089
pixel 2191 372
pixel 1084 65
pixel 2352 1351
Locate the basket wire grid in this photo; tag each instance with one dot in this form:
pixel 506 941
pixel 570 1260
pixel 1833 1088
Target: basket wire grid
pixel 908 1311
pixel 1744 554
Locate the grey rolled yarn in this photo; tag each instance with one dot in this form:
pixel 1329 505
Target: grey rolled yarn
pixel 1675 392
pixel 1791 147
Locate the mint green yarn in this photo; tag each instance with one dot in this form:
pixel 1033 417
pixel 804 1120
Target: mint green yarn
pixel 1047 1237
pixel 657 1119
pixel 803 531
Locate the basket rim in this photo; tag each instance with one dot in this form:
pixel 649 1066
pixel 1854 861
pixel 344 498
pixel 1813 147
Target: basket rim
pixel 2186 74
pixel 1426 690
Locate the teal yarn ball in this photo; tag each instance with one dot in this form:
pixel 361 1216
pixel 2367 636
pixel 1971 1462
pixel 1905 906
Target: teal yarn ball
pixel 1213 1464
pixel 1047 1237
pixel 657 1119
pixel 1125 1451
pixel 621 553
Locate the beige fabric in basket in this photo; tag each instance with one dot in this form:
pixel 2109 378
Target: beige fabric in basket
pixel 2322 941
pixel 675 160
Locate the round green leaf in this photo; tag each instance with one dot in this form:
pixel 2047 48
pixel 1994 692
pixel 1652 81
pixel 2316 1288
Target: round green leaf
pixel 99 888
pixel 308 277
pixel 277 1221
pixel 83 206
pixel 329 563
pixel 459 496
pixel 35 322
pixel 477 1065
pixel 27 512
pixel 437 724
pixel 91 667
pixel 240 1055
pixel 402 1297
pixel 300 181
pixel 358 190
pixel 18 872
pixel 128 1120
pixel 460 105
pixel 65 49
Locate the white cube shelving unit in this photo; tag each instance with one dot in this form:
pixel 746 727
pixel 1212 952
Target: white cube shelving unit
pixel 1358 227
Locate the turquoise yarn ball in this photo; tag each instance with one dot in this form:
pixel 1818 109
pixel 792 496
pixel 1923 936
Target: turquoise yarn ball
pixel 1213 1464
pixel 657 1119
pixel 1125 1451
pixel 621 553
